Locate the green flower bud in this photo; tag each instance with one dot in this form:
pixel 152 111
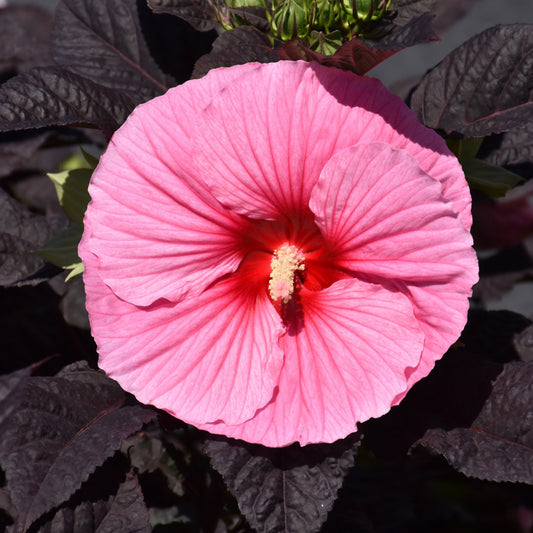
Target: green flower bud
pixel 369 10
pixel 348 6
pixel 246 3
pixel 324 14
pixel 291 19
pixel 322 25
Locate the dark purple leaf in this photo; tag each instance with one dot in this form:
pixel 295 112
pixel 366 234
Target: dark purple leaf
pixel 54 96
pixel 57 145
pixel 417 30
pixel 484 86
pixel 17 148
pixel 7 511
pixel 283 489
pixel 515 147
pixel 244 44
pixel 501 271
pixel 148 454
pixel 523 343
pixel 24 37
pixel 10 385
pixel 102 40
pixel 253 16
pixel 105 71
pixel 200 14
pixel 495 286
pixel 72 304
pixel 126 510
pixel 123 511
pixel 60 430
pixel 35 191
pixel 145 451
pixel 498 446
pixel 409 9
pixel 449 13
pixel 21 234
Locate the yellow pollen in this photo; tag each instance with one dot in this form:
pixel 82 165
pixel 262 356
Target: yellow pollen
pixel 287 259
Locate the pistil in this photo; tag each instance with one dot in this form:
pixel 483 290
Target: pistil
pixel 287 259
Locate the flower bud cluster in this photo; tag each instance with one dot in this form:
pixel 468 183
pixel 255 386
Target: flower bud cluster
pixel 323 25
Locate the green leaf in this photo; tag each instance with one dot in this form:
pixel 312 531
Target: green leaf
pixel 62 250
pixel 465 148
pixel 91 160
pixel 73 162
pixel 71 187
pixel 77 269
pixel 492 180
pixel 326 44
pixel 72 190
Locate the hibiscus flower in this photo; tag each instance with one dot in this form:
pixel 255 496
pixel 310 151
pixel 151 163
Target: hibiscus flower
pixel 276 252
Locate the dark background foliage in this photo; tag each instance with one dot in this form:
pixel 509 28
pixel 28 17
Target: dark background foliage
pixel 78 454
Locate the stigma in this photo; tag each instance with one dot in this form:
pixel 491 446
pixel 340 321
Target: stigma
pixel 286 260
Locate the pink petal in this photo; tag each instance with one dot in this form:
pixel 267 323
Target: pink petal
pixel 156 229
pixel 433 156
pixel 442 313
pixel 213 357
pixel 383 216
pixel 262 142
pixel 346 364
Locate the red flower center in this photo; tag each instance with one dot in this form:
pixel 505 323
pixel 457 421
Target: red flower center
pixel 282 257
